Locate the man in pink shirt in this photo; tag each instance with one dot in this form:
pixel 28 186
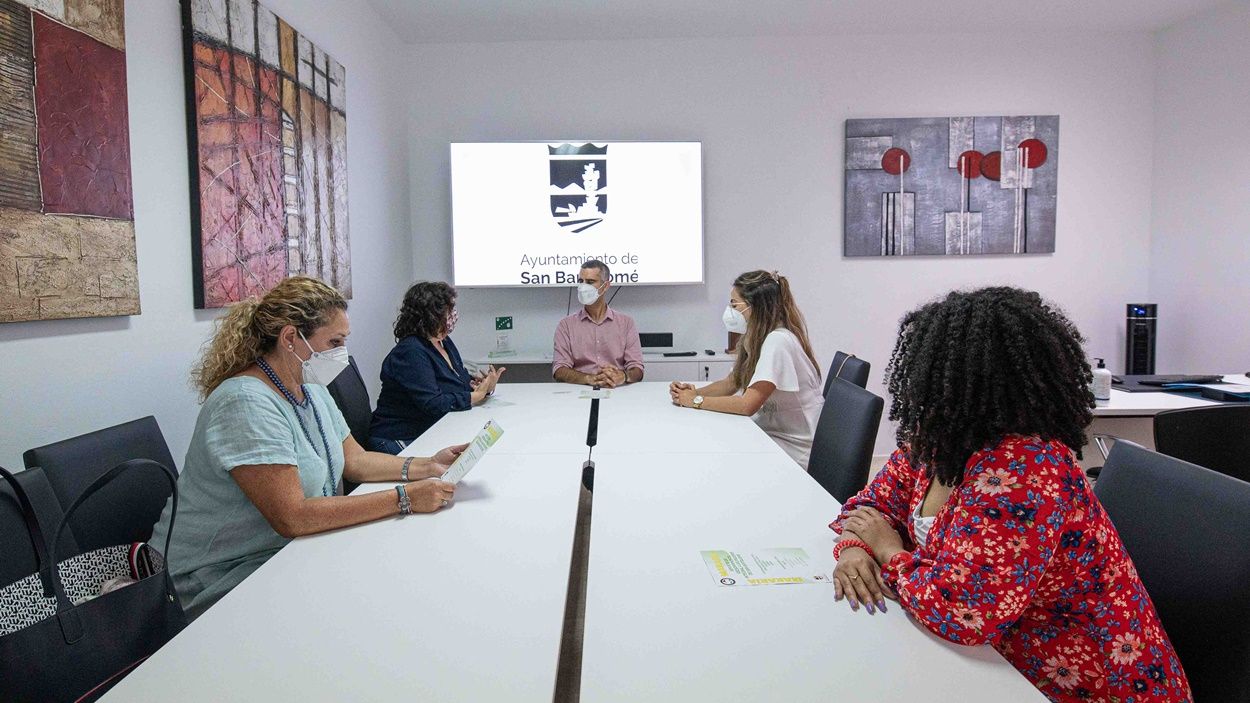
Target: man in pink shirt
pixel 597 346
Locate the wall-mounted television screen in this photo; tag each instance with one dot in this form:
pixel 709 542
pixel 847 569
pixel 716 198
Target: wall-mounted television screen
pixel 530 213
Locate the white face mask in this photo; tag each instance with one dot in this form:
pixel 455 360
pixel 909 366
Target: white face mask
pixel 323 367
pixel 587 294
pixel 734 320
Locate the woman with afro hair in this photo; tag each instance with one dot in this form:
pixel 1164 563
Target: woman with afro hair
pixel 982 525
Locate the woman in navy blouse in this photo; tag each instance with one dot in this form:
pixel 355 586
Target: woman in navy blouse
pixel 423 378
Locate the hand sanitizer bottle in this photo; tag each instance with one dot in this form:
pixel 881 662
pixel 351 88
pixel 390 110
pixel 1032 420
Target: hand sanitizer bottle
pixel 1102 381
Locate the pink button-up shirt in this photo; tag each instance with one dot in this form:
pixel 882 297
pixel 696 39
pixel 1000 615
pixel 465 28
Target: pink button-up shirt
pixel 586 346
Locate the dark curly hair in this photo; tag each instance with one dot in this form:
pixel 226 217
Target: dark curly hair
pixel 976 366
pixel 425 310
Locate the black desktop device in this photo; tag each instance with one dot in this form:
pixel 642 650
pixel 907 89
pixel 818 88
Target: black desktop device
pixel 655 339
pixel 1140 336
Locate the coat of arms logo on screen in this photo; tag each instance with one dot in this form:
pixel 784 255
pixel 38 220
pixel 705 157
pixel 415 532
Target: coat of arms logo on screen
pixel 579 185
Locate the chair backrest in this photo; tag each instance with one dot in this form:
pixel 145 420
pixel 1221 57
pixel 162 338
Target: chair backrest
pixel 847 367
pixel 127 508
pixel 1215 437
pixel 845 435
pixel 352 397
pixel 1184 527
pixel 17 556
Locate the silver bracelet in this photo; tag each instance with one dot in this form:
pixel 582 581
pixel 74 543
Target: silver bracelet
pixel 403 473
pixel 405 504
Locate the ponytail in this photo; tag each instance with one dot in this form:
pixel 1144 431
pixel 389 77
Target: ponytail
pixel 250 328
pixel 793 320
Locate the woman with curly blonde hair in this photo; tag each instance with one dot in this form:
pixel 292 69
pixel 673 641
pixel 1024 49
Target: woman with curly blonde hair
pixel 271 449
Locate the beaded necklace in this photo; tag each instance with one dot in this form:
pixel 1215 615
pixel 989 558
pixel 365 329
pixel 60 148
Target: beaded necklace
pixel 328 488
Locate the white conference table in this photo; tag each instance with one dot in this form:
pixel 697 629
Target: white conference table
pixel 659 628
pixel 468 604
pixel 552 418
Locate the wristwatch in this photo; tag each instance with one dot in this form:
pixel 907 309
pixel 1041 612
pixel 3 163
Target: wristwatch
pixel 697 404
pixel 405 505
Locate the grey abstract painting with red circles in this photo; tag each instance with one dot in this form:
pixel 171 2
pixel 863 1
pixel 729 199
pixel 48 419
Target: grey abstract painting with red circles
pixel 937 186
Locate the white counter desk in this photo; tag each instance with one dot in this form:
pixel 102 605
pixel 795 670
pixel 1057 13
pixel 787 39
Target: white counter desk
pixel 1124 404
pixel 468 604
pixel 1131 415
pixel 700 367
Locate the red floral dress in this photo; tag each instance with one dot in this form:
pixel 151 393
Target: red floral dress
pixel 1024 557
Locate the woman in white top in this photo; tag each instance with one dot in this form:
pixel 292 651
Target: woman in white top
pixel 775 378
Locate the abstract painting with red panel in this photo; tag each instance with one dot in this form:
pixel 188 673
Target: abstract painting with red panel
pixel 269 161
pixel 67 237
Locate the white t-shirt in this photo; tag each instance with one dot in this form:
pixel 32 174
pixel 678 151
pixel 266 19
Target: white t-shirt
pixel 790 414
pixel 921 525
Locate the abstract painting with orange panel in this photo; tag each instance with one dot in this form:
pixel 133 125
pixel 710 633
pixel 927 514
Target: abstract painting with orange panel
pixel 268 133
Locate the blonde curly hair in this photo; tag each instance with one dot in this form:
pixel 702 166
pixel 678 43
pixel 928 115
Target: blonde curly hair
pixel 250 328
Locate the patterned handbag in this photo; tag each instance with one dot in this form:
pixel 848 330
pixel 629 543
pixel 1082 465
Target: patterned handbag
pixel 69 633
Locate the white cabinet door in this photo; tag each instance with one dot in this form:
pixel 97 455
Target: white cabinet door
pixel 670 371
pixel 690 370
pixel 709 371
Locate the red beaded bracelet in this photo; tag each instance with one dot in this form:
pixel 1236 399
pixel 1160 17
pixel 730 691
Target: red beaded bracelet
pixel 843 544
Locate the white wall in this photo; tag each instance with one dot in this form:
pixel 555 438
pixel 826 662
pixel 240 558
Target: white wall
pixel 1200 273
pixel 62 378
pixel 770 115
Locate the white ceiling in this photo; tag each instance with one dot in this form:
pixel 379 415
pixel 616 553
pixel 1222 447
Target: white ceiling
pixel 442 21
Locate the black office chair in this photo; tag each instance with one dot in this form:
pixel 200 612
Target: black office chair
pixel 1183 525
pixel 352 397
pixel 848 367
pixel 127 508
pixel 17 555
pixel 1216 437
pixel 845 434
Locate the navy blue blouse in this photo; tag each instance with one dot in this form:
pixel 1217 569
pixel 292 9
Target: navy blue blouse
pixel 418 389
